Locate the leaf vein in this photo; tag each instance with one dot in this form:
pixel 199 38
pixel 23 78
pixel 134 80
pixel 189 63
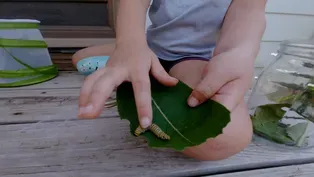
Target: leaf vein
pixel 166 118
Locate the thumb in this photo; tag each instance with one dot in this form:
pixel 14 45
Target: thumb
pixel 161 75
pixel 207 87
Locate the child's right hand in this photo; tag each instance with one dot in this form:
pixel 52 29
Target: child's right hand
pixel 129 62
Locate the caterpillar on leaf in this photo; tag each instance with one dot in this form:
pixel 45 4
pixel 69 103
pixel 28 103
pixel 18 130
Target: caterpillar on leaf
pixel 153 128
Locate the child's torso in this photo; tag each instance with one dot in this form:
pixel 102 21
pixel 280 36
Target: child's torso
pixel 185 28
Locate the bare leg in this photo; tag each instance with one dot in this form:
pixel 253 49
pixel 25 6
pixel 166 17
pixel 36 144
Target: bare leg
pixel 236 135
pixel 93 51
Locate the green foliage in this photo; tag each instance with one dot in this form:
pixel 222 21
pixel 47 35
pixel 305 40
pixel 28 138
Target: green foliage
pixel 266 124
pixel 298 132
pixel 185 125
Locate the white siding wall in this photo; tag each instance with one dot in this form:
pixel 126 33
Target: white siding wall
pixel 286 19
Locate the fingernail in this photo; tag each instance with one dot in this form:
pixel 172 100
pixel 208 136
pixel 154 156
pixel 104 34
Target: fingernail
pixel 193 102
pixel 87 109
pixel 145 122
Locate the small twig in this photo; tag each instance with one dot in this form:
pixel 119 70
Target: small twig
pixel 110 104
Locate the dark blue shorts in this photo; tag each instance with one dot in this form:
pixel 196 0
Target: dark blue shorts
pixel 169 64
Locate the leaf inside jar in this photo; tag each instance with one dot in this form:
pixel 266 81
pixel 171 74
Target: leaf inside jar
pixel 298 132
pixel 266 123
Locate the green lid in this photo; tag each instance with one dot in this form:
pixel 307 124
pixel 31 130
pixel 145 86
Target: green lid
pixel 18 24
pixel 19 43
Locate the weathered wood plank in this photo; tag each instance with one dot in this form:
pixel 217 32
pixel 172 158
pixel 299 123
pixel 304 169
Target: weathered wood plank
pixel 104 147
pixel 65 80
pixel 77 32
pixel 306 170
pixel 62 145
pixel 71 80
pixel 78 42
pixel 49 101
pixel 44 109
pixel 54 100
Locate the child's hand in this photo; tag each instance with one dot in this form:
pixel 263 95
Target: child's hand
pixel 226 79
pixel 129 62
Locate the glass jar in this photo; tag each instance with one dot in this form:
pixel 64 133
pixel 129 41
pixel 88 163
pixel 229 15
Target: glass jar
pixel 281 103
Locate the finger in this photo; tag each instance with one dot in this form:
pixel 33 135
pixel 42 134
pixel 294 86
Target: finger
pixel 161 75
pixel 88 85
pixel 231 94
pixel 142 94
pixel 208 86
pixel 100 92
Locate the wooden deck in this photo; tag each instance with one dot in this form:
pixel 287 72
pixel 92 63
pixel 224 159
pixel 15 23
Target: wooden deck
pixel 40 136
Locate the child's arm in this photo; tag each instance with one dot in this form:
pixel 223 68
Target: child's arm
pixel 132 61
pixel 243 27
pixel 131 19
pixel 229 73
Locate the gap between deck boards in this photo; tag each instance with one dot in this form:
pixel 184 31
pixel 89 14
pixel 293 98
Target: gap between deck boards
pixel 262 167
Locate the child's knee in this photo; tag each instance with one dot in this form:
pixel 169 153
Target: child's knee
pixel 93 51
pixel 81 54
pixel 214 149
pixel 236 136
pixel 77 56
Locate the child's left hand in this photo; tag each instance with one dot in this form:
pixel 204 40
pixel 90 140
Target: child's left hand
pixel 226 79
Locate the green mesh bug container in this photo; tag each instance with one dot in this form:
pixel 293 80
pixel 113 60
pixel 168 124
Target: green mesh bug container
pixel 24 57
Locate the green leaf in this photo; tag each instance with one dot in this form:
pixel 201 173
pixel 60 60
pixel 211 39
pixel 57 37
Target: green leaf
pixel 185 125
pixel 265 123
pixel 303 105
pixel 298 132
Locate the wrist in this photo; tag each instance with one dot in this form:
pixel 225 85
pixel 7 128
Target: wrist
pixel 131 42
pixel 138 37
pixel 245 50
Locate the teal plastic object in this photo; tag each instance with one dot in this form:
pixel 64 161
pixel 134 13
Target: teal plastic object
pixel 89 65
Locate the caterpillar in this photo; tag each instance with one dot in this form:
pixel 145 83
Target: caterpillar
pixel 139 130
pixel 153 128
pixel 158 132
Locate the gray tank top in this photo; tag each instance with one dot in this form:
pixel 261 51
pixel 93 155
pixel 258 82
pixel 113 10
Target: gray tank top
pixel 185 28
